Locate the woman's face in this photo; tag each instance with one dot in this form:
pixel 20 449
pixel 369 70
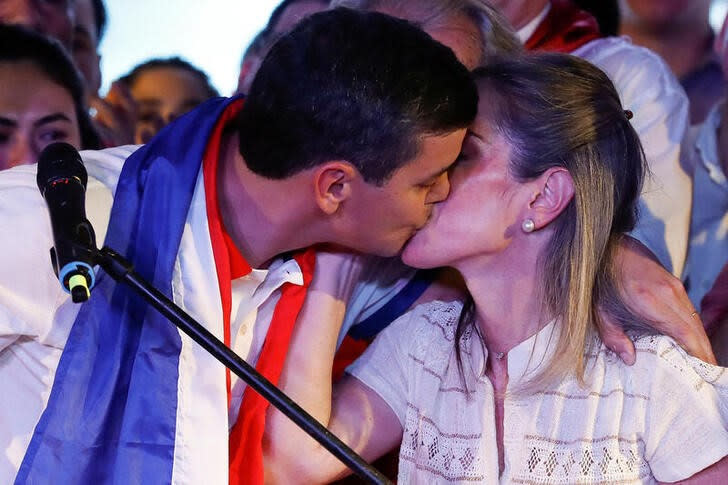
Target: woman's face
pixel 485 207
pixel 162 94
pixel 34 112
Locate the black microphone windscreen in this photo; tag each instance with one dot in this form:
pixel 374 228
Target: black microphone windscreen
pixel 59 161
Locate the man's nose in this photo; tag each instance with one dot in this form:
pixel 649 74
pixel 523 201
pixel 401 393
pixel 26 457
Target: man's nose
pixel 440 190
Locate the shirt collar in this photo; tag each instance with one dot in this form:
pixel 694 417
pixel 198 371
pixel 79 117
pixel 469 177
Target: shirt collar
pixel 525 32
pixel 525 360
pixel 531 356
pixel 284 269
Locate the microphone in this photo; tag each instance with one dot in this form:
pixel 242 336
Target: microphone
pixel 62 183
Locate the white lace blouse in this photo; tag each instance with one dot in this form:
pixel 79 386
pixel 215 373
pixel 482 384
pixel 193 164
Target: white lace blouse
pixel 662 419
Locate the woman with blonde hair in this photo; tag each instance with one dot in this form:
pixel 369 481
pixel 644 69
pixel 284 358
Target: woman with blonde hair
pixel 515 385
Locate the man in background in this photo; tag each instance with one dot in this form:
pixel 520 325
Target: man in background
pixel 679 31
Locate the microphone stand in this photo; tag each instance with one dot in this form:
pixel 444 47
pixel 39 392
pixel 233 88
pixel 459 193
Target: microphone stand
pixel 122 271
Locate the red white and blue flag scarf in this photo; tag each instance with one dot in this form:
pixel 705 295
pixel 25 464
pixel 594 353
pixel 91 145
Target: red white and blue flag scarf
pixel 111 414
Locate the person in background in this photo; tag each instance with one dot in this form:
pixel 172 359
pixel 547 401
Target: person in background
pixel 162 90
pixel 79 26
pixel 706 150
pixel 252 58
pixel 115 115
pixel 680 32
pixel 605 11
pixel 52 18
pixel 475 31
pixel 288 13
pixel 283 18
pixel 88 31
pixel 41 100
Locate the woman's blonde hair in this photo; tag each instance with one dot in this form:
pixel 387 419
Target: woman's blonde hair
pixel 556 110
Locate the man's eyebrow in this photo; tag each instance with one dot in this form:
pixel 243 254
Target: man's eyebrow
pixel 7 122
pixel 51 118
pixel 437 174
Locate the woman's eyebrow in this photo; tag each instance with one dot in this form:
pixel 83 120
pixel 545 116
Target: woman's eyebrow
pixel 7 122
pixel 51 118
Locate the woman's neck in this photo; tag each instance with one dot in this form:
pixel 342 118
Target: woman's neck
pixel 506 289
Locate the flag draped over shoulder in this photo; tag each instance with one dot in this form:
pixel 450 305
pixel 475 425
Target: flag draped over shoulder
pixel 111 413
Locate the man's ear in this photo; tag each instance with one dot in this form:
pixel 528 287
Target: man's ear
pixel 333 184
pixel 555 189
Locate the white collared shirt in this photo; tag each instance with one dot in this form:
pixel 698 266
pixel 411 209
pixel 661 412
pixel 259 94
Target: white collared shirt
pixel 662 419
pixel 525 32
pixel 254 299
pixel 708 249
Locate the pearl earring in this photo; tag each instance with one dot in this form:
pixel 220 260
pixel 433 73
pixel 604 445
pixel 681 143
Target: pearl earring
pixel 528 225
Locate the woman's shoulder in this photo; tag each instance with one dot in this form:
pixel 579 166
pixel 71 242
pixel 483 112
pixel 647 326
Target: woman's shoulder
pixel 436 316
pixel 659 355
pixel 427 328
pixel 662 368
pixel 688 404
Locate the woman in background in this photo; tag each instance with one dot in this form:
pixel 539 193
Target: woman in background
pixel 41 100
pixel 162 90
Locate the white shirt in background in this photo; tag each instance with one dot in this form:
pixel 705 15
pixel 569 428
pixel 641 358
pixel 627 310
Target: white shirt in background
pixel 708 249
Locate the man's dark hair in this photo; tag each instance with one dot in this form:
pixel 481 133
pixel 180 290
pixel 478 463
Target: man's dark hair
pixel 20 44
pixel 173 62
pixel 357 86
pixel 100 19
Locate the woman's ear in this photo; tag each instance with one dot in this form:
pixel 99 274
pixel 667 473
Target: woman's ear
pixel 555 189
pixel 333 184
